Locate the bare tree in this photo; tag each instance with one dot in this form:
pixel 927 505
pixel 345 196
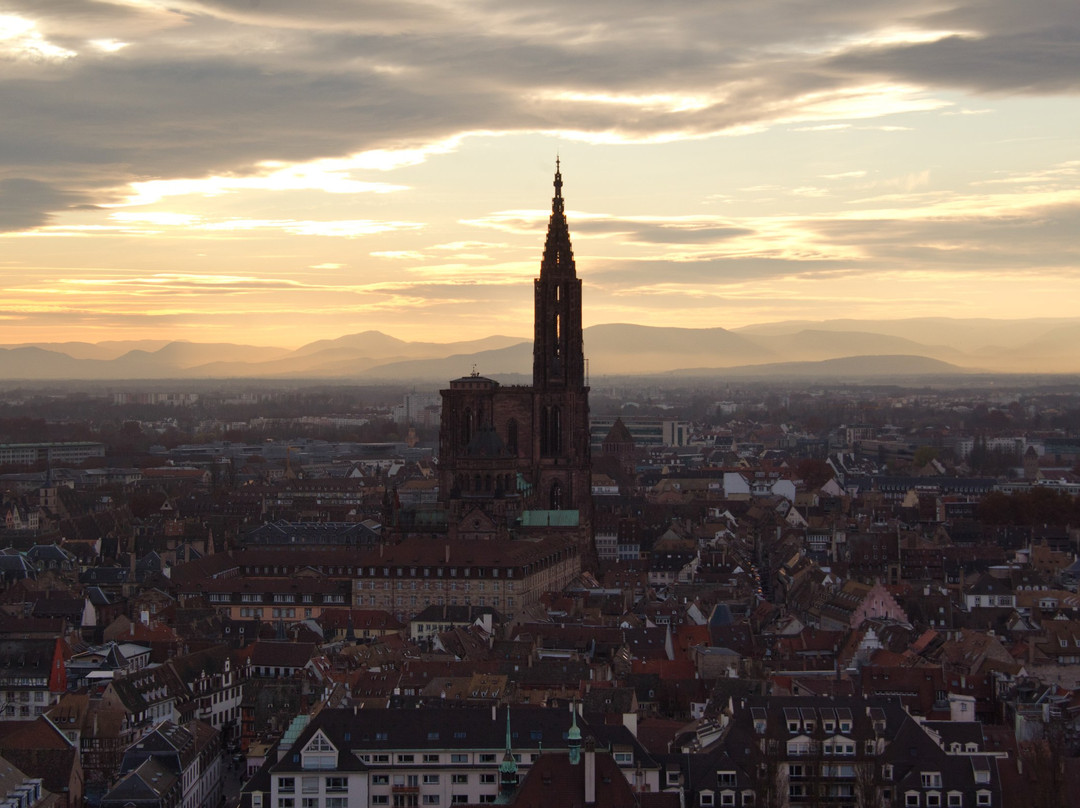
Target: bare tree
pixel 769 778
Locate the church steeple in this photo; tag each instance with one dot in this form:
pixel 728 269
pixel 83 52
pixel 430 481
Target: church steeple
pixel 558 354
pixel 508 773
pixel 573 738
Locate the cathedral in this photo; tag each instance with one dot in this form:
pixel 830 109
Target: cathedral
pixel 515 458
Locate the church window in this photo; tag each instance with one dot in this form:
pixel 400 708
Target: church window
pixel 512 436
pixel 467 426
pixel 556 496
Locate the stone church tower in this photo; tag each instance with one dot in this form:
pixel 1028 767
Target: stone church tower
pixel 511 455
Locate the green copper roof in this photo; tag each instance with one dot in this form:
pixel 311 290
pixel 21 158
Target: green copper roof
pixel 295 728
pixel 550 519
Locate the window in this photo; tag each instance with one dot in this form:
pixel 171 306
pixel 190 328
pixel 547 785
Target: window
pixel 319 744
pixel 380 779
pixel 309 802
pixel 285 802
pixel 380 799
pixel 459 798
pixel 286 785
pixel 431 758
pixel 931 779
pixel 982 797
pixel 431 779
pixel 933 800
pixel 405 758
pixel 624 758
pixel 725 778
pixel 487 778
pixel 459 757
pixel 431 799
pixel 955 800
pixel 338 784
pixel 911 798
pixel 727 798
pixel 707 798
pixel 487 757
pixel 309 785
pixel 337 802
pixel 458 779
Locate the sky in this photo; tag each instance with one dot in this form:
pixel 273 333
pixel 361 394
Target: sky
pixel 273 172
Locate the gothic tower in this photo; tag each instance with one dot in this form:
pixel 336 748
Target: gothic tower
pixel 506 450
pixel 562 399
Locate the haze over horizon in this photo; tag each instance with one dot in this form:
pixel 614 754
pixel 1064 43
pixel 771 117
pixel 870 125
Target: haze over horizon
pixel 255 173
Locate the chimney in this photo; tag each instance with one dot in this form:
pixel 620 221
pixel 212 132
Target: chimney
pixel 590 771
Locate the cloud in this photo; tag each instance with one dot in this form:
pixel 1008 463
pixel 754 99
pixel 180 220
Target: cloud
pixel 202 89
pixel 28 203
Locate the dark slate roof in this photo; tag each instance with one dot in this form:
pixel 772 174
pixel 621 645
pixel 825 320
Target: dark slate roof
pixel 442 728
pixel 26 658
pixel 282 654
pixel 146 784
pixel 464 615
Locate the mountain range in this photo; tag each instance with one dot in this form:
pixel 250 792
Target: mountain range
pixel 834 348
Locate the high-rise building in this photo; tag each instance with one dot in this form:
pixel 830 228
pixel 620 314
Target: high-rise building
pixel 518 455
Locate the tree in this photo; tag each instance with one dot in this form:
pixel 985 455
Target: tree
pixel 769 778
pixel 923 455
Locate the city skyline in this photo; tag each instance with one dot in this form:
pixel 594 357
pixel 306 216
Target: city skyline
pixel 246 172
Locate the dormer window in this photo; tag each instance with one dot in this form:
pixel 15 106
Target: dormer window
pixel 319 753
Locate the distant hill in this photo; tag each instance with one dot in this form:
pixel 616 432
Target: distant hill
pixel 844 367
pixel 915 346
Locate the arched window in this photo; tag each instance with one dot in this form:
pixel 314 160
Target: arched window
pixel 512 436
pixel 555 429
pixel 468 425
pixel 556 496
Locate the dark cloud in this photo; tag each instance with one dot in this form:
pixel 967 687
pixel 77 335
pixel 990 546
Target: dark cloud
pixel 241 82
pixel 27 203
pixel 1045 61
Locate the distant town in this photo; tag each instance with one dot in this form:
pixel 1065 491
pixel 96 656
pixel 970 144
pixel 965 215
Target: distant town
pixel 699 592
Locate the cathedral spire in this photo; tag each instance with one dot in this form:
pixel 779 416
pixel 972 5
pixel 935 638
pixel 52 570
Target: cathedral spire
pixel 558 355
pixel 558 254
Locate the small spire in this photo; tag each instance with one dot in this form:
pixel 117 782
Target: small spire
pixel 508 773
pixel 557 201
pixel 573 737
